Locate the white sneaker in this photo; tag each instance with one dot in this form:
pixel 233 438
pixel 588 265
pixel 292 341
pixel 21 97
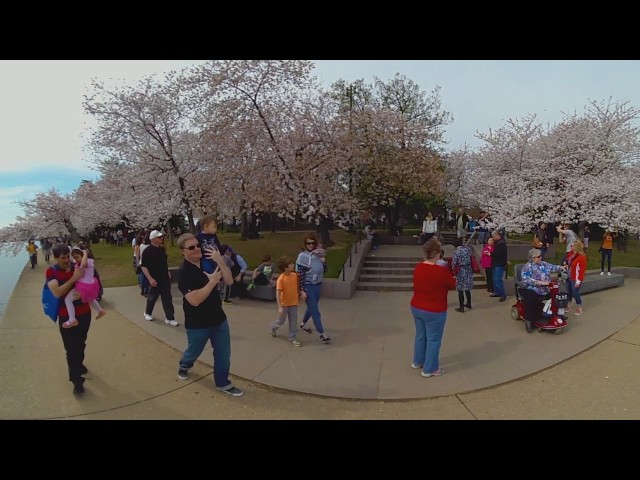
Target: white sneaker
pixel 601 273
pixel 173 323
pixel 148 317
pixel 609 273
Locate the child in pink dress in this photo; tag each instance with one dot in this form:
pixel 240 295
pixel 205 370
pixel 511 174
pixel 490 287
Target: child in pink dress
pixel 87 287
pixel 487 263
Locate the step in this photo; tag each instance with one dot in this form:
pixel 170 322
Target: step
pixel 383 264
pixel 387 278
pixel 385 258
pixel 382 271
pixel 386 286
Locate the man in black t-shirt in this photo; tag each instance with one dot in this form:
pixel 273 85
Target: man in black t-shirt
pixel 156 268
pixel 204 318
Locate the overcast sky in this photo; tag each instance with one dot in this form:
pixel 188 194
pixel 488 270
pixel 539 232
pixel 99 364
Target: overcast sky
pixel 42 117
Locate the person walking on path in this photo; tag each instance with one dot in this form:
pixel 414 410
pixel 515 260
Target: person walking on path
pixel 431 285
pixel 87 286
pixel 463 272
pixel 287 294
pixel 61 278
pixel 204 317
pixel 311 270
pixel 46 249
pixel 499 261
pixel 156 268
pixel 32 250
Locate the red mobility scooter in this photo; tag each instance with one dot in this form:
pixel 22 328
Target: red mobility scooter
pixel 551 317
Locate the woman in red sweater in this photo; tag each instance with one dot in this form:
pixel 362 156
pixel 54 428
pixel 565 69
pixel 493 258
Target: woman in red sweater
pixel 577 269
pixel 431 284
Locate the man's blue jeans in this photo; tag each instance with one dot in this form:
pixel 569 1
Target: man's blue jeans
pixel 220 341
pixel 498 281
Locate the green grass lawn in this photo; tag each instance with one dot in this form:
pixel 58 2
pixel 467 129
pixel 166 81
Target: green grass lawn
pixel 630 258
pixel 115 264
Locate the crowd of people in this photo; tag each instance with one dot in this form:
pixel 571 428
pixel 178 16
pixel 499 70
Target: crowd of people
pixel 212 274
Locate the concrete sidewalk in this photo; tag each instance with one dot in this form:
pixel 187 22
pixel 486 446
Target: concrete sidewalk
pixel 586 372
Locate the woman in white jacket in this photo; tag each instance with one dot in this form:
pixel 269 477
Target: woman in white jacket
pixel 429 228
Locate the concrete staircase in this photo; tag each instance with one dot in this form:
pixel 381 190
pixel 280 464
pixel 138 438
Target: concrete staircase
pixel 392 273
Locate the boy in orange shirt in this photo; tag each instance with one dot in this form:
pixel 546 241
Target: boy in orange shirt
pixel 287 294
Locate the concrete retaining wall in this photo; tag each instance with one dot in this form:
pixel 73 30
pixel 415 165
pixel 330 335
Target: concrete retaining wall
pixel 333 287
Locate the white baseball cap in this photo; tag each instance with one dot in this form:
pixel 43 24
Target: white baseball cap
pixel 155 234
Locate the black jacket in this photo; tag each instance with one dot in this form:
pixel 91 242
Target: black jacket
pixel 499 255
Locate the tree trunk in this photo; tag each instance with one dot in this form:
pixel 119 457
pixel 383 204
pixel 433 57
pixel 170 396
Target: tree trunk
pixel 322 229
pixel 393 215
pixel 192 224
pixel 170 233
pixel 581 229
pixel 244 227
pixel 73 232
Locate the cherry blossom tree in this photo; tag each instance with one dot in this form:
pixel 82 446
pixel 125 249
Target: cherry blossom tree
pixel 150 128
pixel 396 131
pixel 579 170
pixel 47 214
pixel 278 153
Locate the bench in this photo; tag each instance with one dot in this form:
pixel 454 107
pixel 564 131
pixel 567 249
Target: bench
pixel 592 282
pixel 263 292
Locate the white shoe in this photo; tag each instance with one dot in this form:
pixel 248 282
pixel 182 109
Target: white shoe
pixel 173 323
pixel 148 317
pixel 609 273
pixel 601 273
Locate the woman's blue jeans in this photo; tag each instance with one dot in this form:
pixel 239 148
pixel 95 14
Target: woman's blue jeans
pixel 574 292
pixel 220 341
pixel 429 333
pixel 313 298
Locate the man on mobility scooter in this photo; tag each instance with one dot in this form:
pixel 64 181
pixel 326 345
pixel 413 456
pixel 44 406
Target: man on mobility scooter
pixel 539 300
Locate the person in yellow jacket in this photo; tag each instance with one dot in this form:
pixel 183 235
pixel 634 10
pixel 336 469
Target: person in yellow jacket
pixel 32 250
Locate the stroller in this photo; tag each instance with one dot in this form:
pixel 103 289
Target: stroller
pixel 551 317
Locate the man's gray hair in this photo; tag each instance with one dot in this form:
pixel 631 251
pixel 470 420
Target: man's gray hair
pixel 534 252
pixel 184 238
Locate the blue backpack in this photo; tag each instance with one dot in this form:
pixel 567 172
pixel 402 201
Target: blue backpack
pixel 50 303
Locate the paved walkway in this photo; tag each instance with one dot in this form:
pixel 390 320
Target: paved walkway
pixel 583 373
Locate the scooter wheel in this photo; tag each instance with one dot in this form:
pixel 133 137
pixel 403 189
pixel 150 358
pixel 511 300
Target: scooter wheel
pixel 515 314
pixel 528 326
pixel 558 331
pixel 540 330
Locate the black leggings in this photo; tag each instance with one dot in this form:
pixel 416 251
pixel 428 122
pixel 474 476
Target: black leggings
pixel 461 296
pixel 606 252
